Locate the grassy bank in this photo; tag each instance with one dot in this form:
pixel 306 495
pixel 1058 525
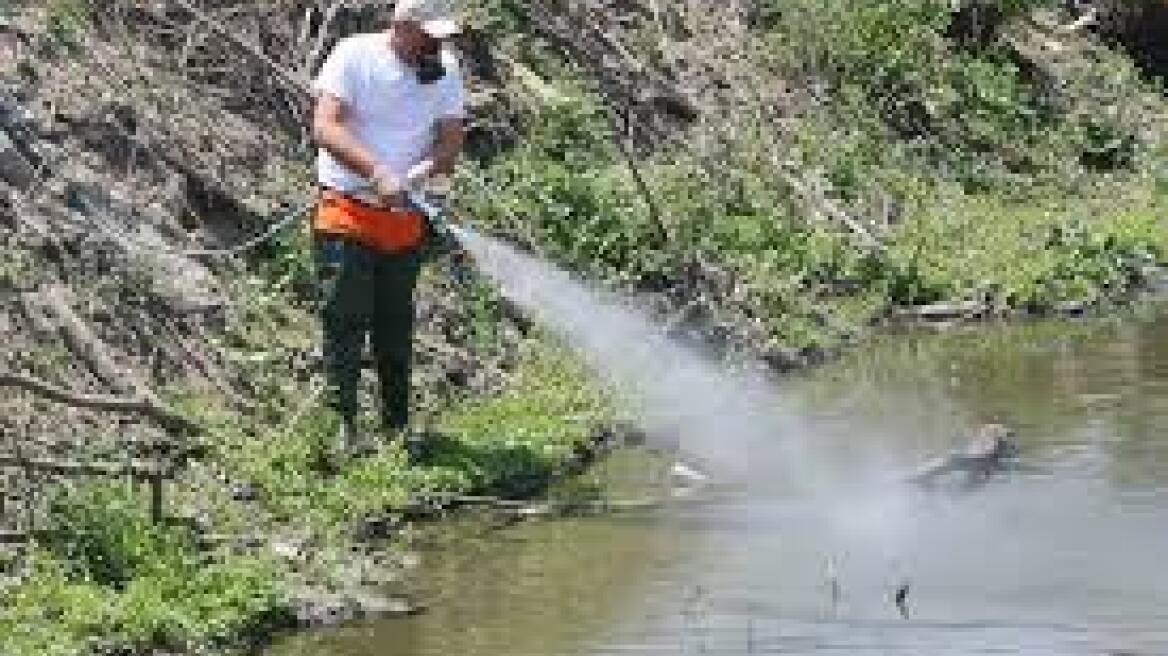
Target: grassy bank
pixel 265 531
pixel 106 580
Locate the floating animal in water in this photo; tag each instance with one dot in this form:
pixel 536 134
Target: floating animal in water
pixel 900 598
pixel 990 450
pixel 685 474
pixel 833 585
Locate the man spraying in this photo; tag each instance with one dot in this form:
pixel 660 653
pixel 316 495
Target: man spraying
pixel 388 116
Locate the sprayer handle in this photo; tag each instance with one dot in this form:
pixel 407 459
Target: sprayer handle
pixel 419 203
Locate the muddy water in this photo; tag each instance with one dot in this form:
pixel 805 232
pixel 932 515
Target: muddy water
pixel 1065 557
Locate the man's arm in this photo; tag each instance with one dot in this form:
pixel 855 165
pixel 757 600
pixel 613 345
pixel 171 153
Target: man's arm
pixel 442 154
pixel 448 145
pixel 330 130
pixel 449 132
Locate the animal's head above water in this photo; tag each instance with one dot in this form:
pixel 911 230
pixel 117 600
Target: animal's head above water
pixel 992 440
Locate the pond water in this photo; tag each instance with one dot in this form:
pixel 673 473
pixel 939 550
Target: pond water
pixel 1063 557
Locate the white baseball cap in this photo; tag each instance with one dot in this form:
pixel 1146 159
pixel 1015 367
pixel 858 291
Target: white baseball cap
pixel 434 16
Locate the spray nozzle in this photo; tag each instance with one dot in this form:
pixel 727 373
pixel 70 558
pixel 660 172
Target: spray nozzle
pixel 441 229
pixel 442 234
pixel 439 224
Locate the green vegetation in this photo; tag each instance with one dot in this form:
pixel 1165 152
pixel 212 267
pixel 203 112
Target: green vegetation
pixel 1026 256
pixel 109 579
pixel 476 446
pixel 106 577
pixel 982 174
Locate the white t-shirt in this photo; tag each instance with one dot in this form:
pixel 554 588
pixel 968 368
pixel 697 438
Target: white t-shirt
pixel 390 111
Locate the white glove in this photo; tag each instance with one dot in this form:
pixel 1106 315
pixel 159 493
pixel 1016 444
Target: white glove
pixel 385 183
pixel 418 174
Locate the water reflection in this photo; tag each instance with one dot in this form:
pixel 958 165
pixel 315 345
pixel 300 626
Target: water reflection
pixel 541 589
pixel 1060 561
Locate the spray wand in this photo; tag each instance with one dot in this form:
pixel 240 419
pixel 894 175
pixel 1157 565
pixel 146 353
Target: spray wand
pixel 443 234
pixel 440 225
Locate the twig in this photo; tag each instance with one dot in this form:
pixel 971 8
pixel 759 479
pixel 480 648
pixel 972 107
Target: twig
pixel 90 348
pixel 316 53
pixel 820 203
pixel 82 341
pixel 131 404
pixel 268 234
pixel 296 81
pixel 138 469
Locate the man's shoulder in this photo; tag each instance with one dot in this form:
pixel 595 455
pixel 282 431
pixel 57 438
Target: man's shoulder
pixel 357 43
pixel 360 40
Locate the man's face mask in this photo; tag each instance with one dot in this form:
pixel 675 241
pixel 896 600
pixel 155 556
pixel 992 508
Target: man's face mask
pixel 430 68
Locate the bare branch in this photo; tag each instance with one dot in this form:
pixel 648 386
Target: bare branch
pixel 296 81
pixel 134 405
pixel 90 348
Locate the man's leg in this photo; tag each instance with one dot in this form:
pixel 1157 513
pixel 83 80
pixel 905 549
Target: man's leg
pixel 345 274
pixel 393 327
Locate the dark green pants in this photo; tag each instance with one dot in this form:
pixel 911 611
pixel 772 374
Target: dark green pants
pixel 367 292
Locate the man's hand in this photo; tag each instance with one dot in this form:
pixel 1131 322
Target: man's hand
pixel 418 174
pixel 390 191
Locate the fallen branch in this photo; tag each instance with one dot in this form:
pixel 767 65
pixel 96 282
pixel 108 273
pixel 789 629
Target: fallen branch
pixel 819 203
pixel 51 302
pixel 15 537
pixel 642 186
pixel 138 469
pixel 136 405
pixel 138 397
pixel 519 508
